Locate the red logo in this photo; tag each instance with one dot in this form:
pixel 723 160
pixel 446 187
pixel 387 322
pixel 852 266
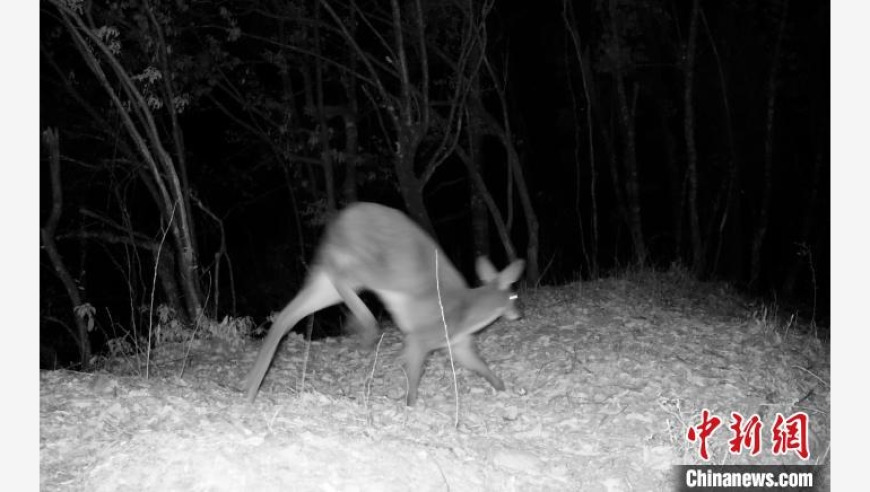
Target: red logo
pixel 746 435
pixel 791 435
pixel 704 430
pixel 787 434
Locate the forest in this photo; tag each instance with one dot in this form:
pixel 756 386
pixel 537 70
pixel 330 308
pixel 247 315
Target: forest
pixel 193 151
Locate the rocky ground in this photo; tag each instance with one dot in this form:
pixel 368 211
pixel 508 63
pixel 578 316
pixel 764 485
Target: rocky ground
pixel 604 379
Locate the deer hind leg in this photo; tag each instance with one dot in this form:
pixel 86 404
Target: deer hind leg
pixel 415 355
pixel 317 293
pixel 467 356
pixel 363 324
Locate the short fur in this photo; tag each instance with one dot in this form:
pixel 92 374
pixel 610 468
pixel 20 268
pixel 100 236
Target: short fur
pixel 372 247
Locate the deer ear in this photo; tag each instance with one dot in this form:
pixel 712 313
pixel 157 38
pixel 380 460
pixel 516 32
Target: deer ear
pixel 511 274
pixel 485 271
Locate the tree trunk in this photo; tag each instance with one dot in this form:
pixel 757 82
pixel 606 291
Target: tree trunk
pixel 593 167
pixel 516 171
pixel 591 255
pixel 732 196
pixel 533 271
pixel 482 194
pixel 351 117
pixel 410 186
pixel 351 143
pixel 474 164
pixel 177 138
pixel 166 269
pixel 322 123
pixel 47 233
pixel 698 265
pixel 807 224
pixel 675 181
pixel 140 124
pixel 762 220
pixel 505 135
pixel 626 123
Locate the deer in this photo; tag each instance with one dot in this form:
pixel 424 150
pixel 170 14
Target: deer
pixel 372 247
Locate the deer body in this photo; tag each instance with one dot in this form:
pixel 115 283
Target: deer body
pixel 372 247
